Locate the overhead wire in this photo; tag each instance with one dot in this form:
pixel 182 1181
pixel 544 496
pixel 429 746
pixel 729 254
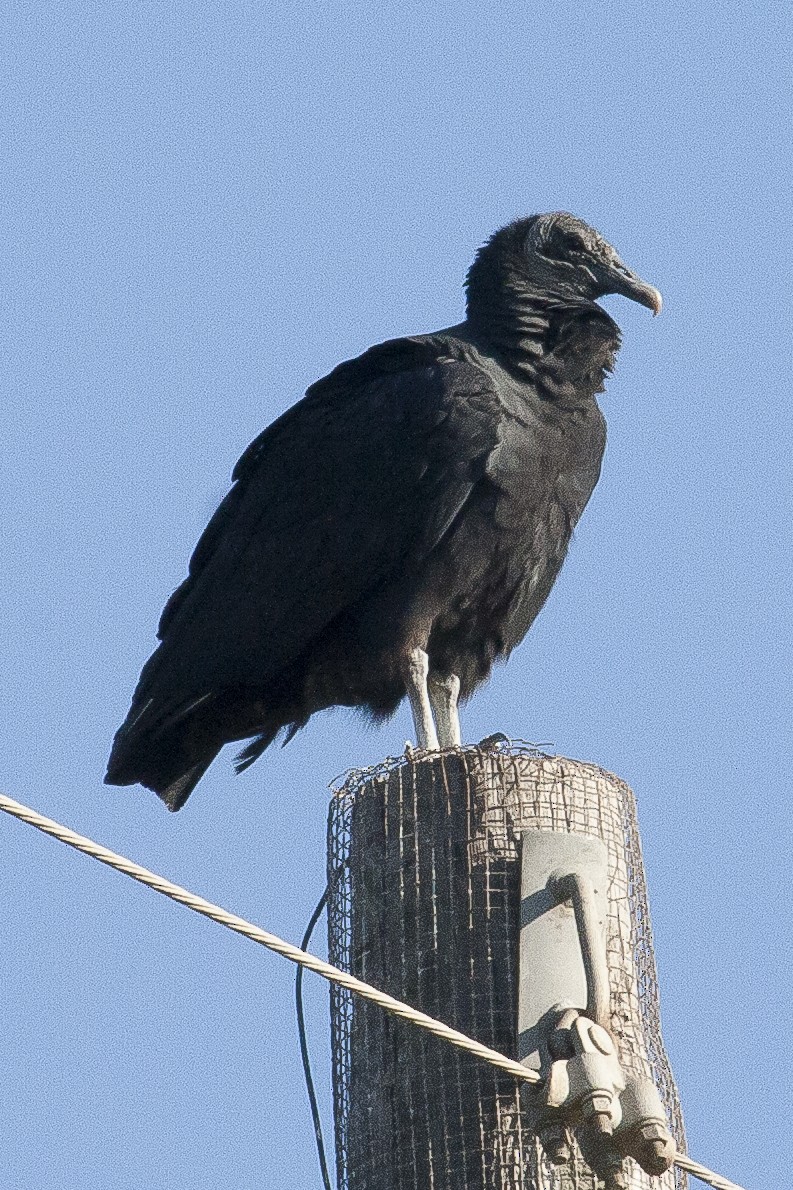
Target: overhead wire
pixel 304 1054
pixel 264 938
pixel 303 958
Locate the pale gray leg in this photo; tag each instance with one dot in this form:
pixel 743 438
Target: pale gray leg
pixel 444 693
pixel 415 673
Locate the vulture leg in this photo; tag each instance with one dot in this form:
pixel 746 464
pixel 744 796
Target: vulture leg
pixel 415 673
pixel 444 693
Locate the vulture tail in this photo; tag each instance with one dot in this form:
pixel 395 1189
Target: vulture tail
pixel 164 770
pixel 178 791
pixel 169 758
pixel 170 752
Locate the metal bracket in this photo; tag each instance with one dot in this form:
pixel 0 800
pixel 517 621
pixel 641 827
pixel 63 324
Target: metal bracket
pixel 586 1087
pixel 579 889
pixel 563 1016
pixel 562 937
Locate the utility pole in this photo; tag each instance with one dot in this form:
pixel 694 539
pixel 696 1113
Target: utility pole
pixel 503 892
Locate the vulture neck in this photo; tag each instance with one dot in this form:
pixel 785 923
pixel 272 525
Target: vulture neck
pixel 529 331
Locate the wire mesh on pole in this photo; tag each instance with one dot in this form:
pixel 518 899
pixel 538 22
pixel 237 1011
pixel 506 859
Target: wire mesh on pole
pixel 424 902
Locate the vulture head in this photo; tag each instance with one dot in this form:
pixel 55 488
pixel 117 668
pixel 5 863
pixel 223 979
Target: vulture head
pixel 557 257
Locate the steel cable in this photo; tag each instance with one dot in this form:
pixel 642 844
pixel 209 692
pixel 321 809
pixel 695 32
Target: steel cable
pixel 303 958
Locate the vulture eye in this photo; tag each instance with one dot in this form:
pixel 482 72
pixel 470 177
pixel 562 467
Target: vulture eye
pixel 564 245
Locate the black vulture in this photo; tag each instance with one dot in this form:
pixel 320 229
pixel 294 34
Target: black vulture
pixel 399 529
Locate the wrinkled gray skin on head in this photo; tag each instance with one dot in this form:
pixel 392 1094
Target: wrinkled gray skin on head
pixel 568 257
pixel 554 258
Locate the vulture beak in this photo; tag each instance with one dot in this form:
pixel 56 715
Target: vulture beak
pixel 617 278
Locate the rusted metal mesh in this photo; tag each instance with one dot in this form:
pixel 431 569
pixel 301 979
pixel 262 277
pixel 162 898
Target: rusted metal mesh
pixel 424 880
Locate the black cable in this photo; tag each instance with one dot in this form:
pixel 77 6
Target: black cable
pixel 304 1055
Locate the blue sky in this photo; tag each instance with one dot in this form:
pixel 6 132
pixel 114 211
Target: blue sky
pixel 204 208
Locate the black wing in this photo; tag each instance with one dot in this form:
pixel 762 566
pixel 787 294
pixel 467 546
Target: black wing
pixel 371 467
